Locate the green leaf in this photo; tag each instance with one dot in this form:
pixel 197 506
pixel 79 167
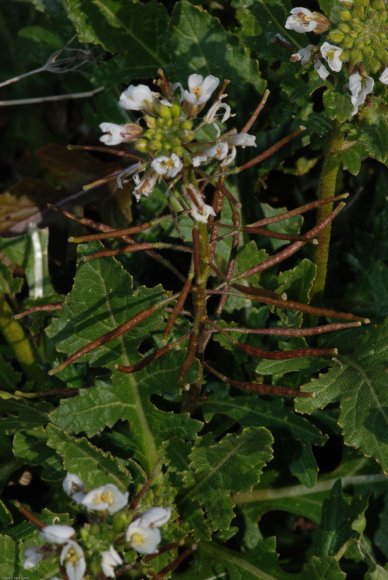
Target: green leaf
pixel 6 518
pixel 359 383
pixel 337 105
pixel 102 299
pixel 131 29
pixel 304 466
pixel 128 399
pixel 289 226
pixel 9 378
pixel 31 253
pixel 337 522
pixel 375 138
pixel 318 568
pixel 297 284
pixel 20 415
pixel 250 411
pixel 94 466
pixel 381 536
pixel 352 154
pixel 8 552
pixel 198 43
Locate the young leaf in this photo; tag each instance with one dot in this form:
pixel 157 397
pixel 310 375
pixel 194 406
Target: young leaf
pixel 94 466
pixel 8 550
pixel 102 299
pixel 360 386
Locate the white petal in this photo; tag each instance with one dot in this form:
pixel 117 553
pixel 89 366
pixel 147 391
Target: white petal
pixel 110 559
pixel 383 78
pixel 301 20
pixel 155 517
pixel 143 540
pixel 32 557
pixel 57 534
pixel 199 160
pixel 303 55
pixel 105 498
pixel 136 97
pixel 332 54
pixel 322 71
pixel 72 484
pixel 167 166
pixel 244 140
pixel 218 151
pixel 72 558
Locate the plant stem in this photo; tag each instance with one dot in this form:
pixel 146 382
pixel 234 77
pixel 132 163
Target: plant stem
pixel 326 188
pixel 19 342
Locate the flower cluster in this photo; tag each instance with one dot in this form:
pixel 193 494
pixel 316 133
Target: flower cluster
pixel 142 534
pixel 361 43
pixel 175 139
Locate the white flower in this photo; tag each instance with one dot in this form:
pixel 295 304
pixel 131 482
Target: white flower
pixel 73 559
pixel 57 534
pixel 303 55
pixel 200 89
pixel 155 517
pixel 332 54
pixel 218 151
pixel 243 140
pixel 212 113
pixel 146 185
pixel 136 98
pixel 168 166
pixel 74 487
pixel 360 87
pixel 200 212
pixel 143 539
pixel 110 559
pixel 105 498
pixel 32 557
pixel 301 20
pixel 384 76
pixel 199 160
pixel 116 134
pixel 322 71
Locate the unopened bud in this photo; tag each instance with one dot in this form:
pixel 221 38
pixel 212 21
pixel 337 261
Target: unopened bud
pixel 322 23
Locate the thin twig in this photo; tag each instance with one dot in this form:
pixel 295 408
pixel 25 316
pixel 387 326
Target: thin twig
pixel 312 331
pixel 256 112
pixel 152 357
pixel 39 100
pixel 42 308
pixel 178 307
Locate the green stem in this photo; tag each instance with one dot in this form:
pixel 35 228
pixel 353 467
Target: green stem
pixel 326 188
pixel 18 340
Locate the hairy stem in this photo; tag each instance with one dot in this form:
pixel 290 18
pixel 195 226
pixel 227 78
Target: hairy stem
pixel 326 188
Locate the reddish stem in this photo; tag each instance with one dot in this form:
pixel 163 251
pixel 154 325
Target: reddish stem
pixel 42 308
pixel 286 354
pixel 273 149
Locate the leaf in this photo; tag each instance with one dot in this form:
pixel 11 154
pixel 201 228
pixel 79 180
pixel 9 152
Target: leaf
pixel 228 466
pixel 103 298
pixel 21 415
pixel 289 226
pixel 215 561
pixel 318 568
pixel 128 399
pixel 381 536
pixel 297 284
pixel 337 105
pixel 338 517
pixel 6 518
pixel 352 154
pixel 30 251
pixel 8 557
pixel 360 386
pixel 250 411
pixel 9 378
pixel 94 466
pixel 137 29
pixel 198 43
pixel 375 138
pixel 304 466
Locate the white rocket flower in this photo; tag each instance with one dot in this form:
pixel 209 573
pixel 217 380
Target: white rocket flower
pixel 383 78
pixel 200 89
pixel 146 185
pixel 110 559
pixel 214 110
pixel 32 557
pixel 105 498
pixel 73 559
pixel 143 539
pixel 303 55
pixel 199 211
pixel 332 54
pixel 74 487
pixel 218 151
pixel 136 98
pixel 301 20
pixel 167 166
pixel 155 517
pixel 360 87
pixel 57 534
pixel 243 140
pixel 116 134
